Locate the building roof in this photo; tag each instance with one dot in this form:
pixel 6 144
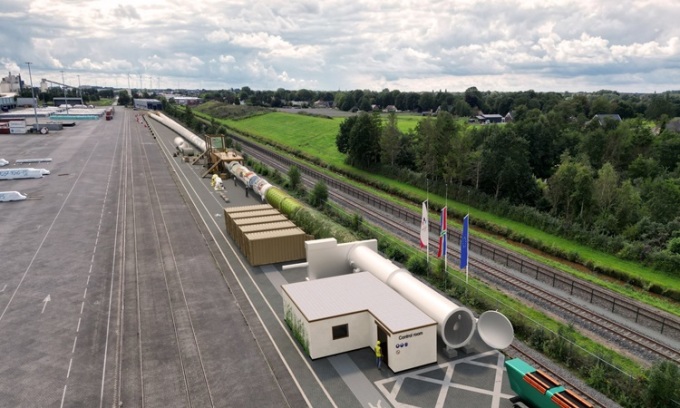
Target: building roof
pixel 353 293
pixel 602 117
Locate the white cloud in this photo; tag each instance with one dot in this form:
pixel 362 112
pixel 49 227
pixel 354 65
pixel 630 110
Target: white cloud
pixel 335 44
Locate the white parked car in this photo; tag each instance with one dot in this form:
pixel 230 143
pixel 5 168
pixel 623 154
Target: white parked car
pixel 3 162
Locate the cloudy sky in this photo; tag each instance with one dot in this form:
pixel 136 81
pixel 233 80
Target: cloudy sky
pixel 420 45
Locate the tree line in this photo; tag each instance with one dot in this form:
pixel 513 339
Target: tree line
pixel 614 185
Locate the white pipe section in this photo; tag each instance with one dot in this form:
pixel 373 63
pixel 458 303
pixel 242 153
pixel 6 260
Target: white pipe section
pixel 39 160
pixel 23 173
pixel 11 196
pixel 195 140
pixel 295 266
pixel 455 324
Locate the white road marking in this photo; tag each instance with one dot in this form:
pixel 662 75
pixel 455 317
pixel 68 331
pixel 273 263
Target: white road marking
pixel 73 350
pixel 78 328
pixel 85 293
pixel 47 299
pixel 63 395
pixel 82 305
pixel 3 288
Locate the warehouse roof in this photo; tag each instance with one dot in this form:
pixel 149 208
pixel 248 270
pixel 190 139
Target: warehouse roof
pixel 357 292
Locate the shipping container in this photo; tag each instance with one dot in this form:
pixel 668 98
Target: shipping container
pixel 240 223
pixel 230 218
pixel 249 229
pixel 262 248
pixel 243 208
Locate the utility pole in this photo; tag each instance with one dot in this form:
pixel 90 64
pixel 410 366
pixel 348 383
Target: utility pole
pixel 63 83
pixel 35 101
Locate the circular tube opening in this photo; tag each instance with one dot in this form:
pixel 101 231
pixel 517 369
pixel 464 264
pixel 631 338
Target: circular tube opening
pixel 458 328
pixel 495 329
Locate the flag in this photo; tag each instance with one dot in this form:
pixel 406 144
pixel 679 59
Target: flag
pixel 424 228
pixel 464 243
pixel 442 234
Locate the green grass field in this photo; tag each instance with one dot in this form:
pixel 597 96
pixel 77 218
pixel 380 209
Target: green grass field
pixel 316 137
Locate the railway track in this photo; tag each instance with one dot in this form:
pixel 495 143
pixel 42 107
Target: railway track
pixel 569 310
pixel 149 280
pixel 636 312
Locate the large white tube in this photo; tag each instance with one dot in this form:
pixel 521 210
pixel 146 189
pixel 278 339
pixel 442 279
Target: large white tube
pixel 181 130
pixel 455 324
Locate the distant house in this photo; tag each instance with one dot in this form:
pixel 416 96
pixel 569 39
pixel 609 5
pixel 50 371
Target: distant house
pixel 322 104
pixel 486 119
pixel 150 104
pixel 508 117
pixel 602 118
pixel 187 100
pixel 390 108
pixel 673 125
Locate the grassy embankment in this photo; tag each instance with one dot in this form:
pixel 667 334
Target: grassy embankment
pixel 316 137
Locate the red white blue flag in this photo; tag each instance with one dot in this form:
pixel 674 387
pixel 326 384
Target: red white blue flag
pixel 442 234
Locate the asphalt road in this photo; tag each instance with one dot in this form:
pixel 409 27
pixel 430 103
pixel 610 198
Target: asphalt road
pixel 109 291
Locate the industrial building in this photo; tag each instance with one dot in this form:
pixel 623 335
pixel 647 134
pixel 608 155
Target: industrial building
pixel 60 100
pixel 350 312
pixel 354 297
pixel 150 104
pixel 11 84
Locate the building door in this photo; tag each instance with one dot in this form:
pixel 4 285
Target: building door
pixel 382 336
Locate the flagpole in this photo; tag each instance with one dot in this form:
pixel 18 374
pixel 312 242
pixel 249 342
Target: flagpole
pixel 446 246
pixel 427 207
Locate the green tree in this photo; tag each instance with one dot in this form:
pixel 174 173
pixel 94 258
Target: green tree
pixel 662 198
pixel 474 98
pixel 667 149
pixel 570 188
pixel 124 98
pixel 294 177
pixel 605 188
pixel 390 141
pixel 426 151
pixel 364 140
pixel 505 166
pixel 627 205
pixel 663 389
pixel 319 194
pixel 342 139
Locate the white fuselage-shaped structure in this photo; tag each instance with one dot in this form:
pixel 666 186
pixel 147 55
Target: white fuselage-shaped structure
pixel 455 324
pixel 195 140
pixel 22 173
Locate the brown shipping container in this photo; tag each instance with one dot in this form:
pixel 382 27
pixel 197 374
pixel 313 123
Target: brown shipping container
pixel 229 221
pixel 275 246
pixel 252 221
pixel 243 208
pixel 248 229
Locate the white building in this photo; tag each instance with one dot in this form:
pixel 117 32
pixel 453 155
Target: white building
pixel 348 312
pixel 354 296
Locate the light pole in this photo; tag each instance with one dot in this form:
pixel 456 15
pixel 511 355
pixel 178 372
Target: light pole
pixel 63 83
pixel 80 95
pixel 35 101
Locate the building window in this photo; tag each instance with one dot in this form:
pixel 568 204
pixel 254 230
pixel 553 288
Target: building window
pixel 341 331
